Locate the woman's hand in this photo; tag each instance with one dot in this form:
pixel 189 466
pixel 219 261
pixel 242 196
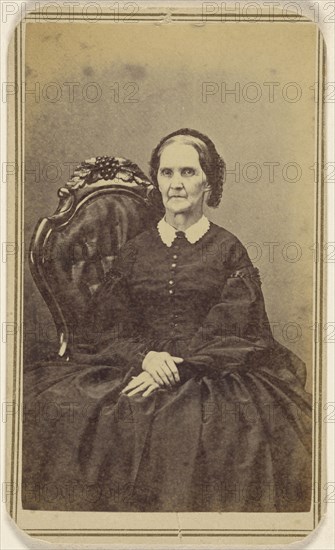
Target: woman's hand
pixel 143 383
pixel 162 367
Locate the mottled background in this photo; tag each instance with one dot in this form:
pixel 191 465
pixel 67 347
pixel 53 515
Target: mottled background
pixel 165 66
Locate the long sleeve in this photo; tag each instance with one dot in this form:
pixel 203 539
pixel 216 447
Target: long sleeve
pixel 236 331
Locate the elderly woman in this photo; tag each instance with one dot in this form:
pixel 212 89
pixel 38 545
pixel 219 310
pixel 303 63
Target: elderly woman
pixel 193 406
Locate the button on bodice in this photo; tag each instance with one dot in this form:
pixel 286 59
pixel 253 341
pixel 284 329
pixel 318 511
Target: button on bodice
pixel 174 291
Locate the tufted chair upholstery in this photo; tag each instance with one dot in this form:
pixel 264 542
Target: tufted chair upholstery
pixel 72 250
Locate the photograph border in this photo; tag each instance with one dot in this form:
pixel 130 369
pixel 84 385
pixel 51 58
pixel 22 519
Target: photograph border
pixel 15 287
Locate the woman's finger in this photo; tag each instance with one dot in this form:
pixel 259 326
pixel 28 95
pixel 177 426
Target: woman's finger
pixel 139 389
pixel 177 360
pixel 128 389
pixel 150 390
pixel 163 374
pixel 134 383
pixel 174 370
pixel 156 375
pixel 169 372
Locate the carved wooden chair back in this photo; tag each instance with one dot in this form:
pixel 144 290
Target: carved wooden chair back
pixel 107 201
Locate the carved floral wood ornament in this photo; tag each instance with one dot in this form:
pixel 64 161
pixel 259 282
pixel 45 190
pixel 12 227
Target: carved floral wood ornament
pixel 101 172
pixel 107 168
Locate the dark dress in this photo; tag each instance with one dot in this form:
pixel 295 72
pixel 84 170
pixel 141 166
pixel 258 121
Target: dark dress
pixel 235 435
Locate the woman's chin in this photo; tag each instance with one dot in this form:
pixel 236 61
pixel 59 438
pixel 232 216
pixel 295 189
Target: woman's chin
pixel 177 206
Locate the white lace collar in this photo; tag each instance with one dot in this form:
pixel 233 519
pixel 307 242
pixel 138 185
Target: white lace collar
pixel 193 233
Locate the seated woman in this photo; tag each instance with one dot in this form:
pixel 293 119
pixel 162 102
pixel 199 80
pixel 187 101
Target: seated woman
pixel 187 402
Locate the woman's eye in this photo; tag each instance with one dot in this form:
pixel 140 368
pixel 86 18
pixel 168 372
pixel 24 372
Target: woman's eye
pixel 166 172
pixel 188 172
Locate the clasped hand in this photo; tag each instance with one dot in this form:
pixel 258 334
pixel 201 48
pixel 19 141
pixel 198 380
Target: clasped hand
pixel 159 370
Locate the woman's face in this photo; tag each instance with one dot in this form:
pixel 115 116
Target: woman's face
pixel 181 180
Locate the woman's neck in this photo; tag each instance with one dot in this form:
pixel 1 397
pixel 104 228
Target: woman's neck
pixel 183 220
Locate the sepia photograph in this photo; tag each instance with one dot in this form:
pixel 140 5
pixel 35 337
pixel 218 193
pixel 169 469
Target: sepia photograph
pixel 166 343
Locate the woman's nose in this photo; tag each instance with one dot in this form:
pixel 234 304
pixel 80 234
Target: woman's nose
pixel 176 182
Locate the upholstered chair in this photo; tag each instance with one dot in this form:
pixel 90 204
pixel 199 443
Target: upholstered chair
pixel 105 203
